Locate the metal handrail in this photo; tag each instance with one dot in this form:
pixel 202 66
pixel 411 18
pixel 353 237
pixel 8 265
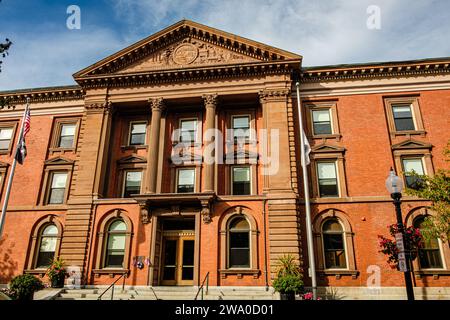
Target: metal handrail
pixel 112 286
pixel 202 286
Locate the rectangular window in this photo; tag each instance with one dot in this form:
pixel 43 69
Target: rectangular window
pixel 188 130
pixel 5 138
pixel 57 190
pixel 239 250
pixel 186 180
pixel 241 127
pixel 241 181
pixel 137 133
pixel 403 118
pixel 67 135
pixel 115 252
pixel 132 183
pixel 411 165
pixel 334 251
pixel 328 186
pixel 322 122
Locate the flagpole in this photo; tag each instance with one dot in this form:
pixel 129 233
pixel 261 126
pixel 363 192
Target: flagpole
pixel 309 234
pixel 13 169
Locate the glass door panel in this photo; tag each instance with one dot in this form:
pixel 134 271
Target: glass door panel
pixel 170 260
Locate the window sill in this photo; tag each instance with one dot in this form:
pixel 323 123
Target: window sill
pixel 435 273
pixel 336 136
pixel 5 152
pixel 239 272
pixel 134 147
pixel 338 273
pixel 40 272
pixel 409 133
pixel 111 272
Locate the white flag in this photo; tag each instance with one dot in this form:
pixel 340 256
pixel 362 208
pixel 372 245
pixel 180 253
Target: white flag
pixel 307 148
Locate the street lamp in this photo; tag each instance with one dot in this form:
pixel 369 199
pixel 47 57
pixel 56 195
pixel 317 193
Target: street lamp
pixel 394 185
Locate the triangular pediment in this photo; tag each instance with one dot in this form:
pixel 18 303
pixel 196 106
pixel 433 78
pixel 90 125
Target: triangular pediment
pixel 186 44
pixel 59 161
pixel 132 159
pixel 411 144
pixel 326 148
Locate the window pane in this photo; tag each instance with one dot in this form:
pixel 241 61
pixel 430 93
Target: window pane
pixel 56 196
pixel 50 230
pixel 114 259
pixel 59 180
pixel 241 188
pixel 402 112
pixel 328 188
pixel 44 259
pixel 118 226
pixel 138 128
pixel 68 129
pixel 66 142
pixel 321 115
pixel 332 226
pixel 186 177
pixel 403 118
pixel 241 174
pixel 187 125
pixel 48 244
pixel 239 224
pixel 416 165
pixel 333 241
pixel 430 254
pixel 241 122
pixel 137 139
pixel 6 133
pixel 4 144
pixel 239 254
pixel 116 242
pixel 134 178
pixel 326 170
pixel 322 128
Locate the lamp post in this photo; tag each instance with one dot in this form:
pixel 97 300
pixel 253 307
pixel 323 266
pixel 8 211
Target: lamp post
pixel 394 185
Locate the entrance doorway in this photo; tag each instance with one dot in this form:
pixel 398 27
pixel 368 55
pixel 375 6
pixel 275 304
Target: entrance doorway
pixel 178 253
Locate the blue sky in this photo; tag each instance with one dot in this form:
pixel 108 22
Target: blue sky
pixel 46 53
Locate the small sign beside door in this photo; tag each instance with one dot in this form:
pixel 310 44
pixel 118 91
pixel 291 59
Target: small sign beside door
pixel 402 266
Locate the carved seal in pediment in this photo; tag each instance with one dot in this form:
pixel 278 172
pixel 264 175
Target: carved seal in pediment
pixel 185 53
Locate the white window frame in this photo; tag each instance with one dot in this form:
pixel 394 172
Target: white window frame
pixel 195 178
pixel 336 169
pixel 124 180
pixel 249 244
pixel 130 126
pixel 196 135
pixel 312 121
pixel 413 114
pixel 250 127
pixel 250 177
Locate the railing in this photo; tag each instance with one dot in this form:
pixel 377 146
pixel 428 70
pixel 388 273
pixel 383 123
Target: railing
pixel 112 286
pixel 201 289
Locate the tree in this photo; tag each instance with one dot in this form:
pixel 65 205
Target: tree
pixel 437 190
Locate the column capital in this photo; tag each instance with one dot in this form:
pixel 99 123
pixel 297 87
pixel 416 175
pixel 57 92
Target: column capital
pixel 211 100
pixel 280 94
pixel 157 104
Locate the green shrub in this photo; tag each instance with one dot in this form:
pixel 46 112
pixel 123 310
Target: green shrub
pixel 289 278
pixel 288 284
pixel 23 286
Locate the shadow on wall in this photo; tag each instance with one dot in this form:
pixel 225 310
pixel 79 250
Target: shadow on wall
pixel 8 267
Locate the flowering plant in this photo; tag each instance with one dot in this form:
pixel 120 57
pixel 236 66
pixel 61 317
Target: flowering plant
pixel 57 271
pixel 309 296
pixel 413 242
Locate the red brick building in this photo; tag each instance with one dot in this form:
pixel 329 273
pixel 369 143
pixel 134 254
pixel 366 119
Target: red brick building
pixel 117 178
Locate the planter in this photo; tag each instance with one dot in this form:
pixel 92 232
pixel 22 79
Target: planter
pixel 287 296
pixel 58 282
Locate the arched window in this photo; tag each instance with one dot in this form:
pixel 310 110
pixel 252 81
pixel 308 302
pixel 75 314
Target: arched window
pixel 333 244
pixel 48 239
pixel 430 256
pixel 239 243
pixel 115 247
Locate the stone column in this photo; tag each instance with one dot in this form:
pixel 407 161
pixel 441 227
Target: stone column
pixel 157 105
pixel 210 105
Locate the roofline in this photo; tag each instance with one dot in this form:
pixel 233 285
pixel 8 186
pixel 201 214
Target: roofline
pixel 39 89
pixel 376 64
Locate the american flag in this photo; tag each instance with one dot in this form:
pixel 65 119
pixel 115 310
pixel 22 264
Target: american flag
pixel 21 151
